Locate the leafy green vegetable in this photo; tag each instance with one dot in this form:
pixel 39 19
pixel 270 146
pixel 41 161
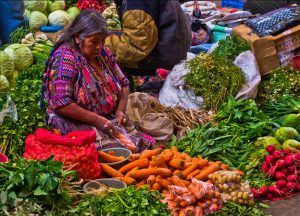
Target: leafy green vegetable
pixel 127 201
pixel 214 79
pixel 230 48
pixel 18 35
pixel 34 181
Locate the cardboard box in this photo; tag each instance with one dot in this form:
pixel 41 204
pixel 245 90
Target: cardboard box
pixel 271 50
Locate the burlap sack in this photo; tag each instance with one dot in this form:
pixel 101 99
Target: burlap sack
pixel 158 125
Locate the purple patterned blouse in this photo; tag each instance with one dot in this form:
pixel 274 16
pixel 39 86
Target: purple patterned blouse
pixel 69 78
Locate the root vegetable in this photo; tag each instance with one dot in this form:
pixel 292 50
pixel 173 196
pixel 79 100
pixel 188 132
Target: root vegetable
pixel 143 173
pixel 193 174
pixel 151 180
pixel 164 183
pixel 289 160
pixel 265 166
pixel 263 191
pixel 188 170
pixel 110 171
pixel 142 163
pixel 280 175
pixel 150 153
pixel 270 149
pixel 292 178
pixel 270 159
pixel 208 170
pixel 177 181
pixel 110 158
pixel 277 154
pixel 134 157
pixel 281 183
pixel 164 172
pixel 177 163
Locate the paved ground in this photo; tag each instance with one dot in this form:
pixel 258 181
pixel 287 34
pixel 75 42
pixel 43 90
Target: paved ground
pixel 289 207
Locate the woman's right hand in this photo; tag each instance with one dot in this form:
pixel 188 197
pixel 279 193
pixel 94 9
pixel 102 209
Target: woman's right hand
pixel 105 125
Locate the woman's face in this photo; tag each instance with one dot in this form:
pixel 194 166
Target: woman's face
pixel 92 45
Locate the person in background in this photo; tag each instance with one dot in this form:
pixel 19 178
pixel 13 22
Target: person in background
pixel 155 34
pixel 11 17
pixel 83 85
pixel 261 7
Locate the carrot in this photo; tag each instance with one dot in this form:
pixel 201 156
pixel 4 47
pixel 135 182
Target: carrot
pixel 126 142
pixel 185 182
pixel 110 171
pixel 110 158
pixel 203 175
pixel 111 152
pixel 190 210
pixel 202 163
pixel 163 183
pixel 142 163
pixel 182 212
pixel 174 149
pixel 224 167
pixel 197 193
pixel 188 200
pixel 156 186
pixel 141 183
pixel 151 180
pixel 177 181
pixel 172 205
pixel 198 211
pixel 149 153
pixel 177 163
pixel 143 173
pixel 164 172
pixel 134 157
pixel 238 171
pixel 128 173
pixel 168 154
pixel 176 172
pixel 129 180
pixel 186 157
pixel 159 161
pixel 192 174
pixel 187 164
pixel 188 170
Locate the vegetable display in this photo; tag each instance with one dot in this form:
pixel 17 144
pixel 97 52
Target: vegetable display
pixel 21 55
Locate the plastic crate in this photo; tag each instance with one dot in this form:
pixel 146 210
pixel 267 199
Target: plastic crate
pixel 233 3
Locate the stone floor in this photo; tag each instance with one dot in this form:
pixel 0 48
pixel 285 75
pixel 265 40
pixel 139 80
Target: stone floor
pixel 288 207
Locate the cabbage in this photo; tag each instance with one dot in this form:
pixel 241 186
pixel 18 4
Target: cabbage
pixel 4 84
pixel 37 19
pixel 73 12
pixel 6 64
pixel 12 79
pixel 36 5
pixel 59 18
pixel 55 5
pixel 21 55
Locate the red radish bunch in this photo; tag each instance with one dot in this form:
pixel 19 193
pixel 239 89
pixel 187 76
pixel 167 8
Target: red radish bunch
pixel 76 149
pixel 283 166
pixel 91 4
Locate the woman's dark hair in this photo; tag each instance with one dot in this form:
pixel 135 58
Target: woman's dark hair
pixel 85 24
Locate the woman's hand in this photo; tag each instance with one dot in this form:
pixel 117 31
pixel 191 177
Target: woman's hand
pixel 105 125
pixel 120 116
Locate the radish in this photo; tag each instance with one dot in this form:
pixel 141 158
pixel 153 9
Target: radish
pixel 280 164
pixel 265 166
pixel 286 151
pixel 272 188
pixel 296 156
pixel 297 186
pixel 255 193
pixel 270 159
pixel 292 170
pixel 284 191
pixel 292 178
pixel 270 196
pixel 263 191
pixel 281 183
pixel 270 149
pixel 280 175
pixel 285 171
pixel 289 160
pixel 290 185
pixel 277 154
pixel 298 164
pixel 272 171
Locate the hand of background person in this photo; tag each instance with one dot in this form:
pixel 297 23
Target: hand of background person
pixel 105 125
pixel 120 117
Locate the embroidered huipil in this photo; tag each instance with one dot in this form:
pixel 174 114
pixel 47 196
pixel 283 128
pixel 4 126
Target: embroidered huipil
pixel 70 79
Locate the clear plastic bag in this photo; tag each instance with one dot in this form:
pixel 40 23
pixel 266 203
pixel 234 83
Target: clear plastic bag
pixel 9 109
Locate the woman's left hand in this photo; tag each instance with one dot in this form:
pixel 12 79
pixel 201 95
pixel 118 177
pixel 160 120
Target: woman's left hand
pixel 120 116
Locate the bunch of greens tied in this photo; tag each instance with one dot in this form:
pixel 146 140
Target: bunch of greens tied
pixel 214 79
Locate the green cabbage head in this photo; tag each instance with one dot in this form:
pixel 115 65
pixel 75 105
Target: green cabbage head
pixel 21 55
pixel 36 5
pixel 4 84
pixel 7 64
pixel 37 19
pixel 55 5
pixel 59 18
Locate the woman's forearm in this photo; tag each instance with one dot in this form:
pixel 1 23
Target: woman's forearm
pixel 123 99
pixel 78 113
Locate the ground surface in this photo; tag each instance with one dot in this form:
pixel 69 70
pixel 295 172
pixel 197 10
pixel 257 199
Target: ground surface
pixel 288 207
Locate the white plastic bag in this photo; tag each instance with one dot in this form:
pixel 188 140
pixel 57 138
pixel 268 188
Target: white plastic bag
pixel 172 93
pixel 247 62
pixel 9 109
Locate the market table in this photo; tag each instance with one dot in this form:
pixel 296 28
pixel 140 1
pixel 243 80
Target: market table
pixel 287 207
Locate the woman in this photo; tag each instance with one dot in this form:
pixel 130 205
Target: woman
pixel 83 85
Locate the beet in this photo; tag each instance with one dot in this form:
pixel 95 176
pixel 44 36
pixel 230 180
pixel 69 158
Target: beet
pixel 270 149
pixel 292 178
pixel 265 166
pixel 277 154
pixel 289 160
pixel 279 175
pixel 270 159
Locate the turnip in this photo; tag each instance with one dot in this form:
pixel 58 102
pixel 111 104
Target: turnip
pixel 292 178
pixel 265 166
pixel 270 159
pixel 289 160
pixel 277 154
pixel 279 175
pixel 270 149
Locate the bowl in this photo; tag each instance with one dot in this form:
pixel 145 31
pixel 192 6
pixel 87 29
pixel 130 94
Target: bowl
pixel 109 182
pixel 117 152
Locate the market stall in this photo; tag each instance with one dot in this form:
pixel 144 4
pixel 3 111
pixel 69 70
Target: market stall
pixel 220 138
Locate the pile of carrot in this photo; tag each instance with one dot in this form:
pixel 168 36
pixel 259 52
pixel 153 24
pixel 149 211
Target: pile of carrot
pixel 110 157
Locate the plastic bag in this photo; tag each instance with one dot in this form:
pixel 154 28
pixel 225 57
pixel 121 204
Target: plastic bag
pixel 248 64
pixel 76 150
pixel 275 22
pixel 9 109
pixel 172 93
